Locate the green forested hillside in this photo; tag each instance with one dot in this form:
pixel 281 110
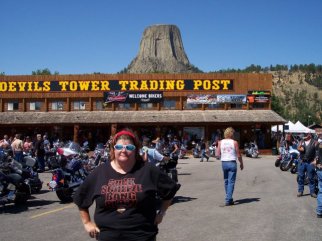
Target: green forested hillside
pixel 297 90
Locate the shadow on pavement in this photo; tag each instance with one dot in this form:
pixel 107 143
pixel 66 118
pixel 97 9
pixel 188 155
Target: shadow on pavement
pixel 14 209
pixel 246 200
pixel 184 174
pixel 181 199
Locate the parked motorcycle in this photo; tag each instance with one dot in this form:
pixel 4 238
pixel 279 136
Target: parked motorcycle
pixel 289 158
pixel 182 151
pixel 212 150
pixel 170 167
pixel 100 155
pixel 196 150
pixel 32 176
pixel 279 159
pixel 70 174
pixel 251 150
pixel 14 187
pixel 294 166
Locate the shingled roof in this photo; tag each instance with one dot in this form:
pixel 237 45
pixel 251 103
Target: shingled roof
pixel 164 116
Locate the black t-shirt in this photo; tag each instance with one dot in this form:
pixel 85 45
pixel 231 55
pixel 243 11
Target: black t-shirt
pixel 40 148
pixel 125 203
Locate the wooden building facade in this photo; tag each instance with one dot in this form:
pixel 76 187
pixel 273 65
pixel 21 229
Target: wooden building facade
pixel 193 105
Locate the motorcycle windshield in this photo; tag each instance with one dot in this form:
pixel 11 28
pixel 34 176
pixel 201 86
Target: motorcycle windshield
pixel 73 147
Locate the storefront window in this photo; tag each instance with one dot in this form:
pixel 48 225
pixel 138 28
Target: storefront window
pixel 194 133
pixel 57 105
pixel 214 106
pixel 14 105
pixel 35 105
pixel 146 106
pixel 192 106
pixel 124 106
pixel 169 104
pixel 236 106
pixel 79 105
pixel 99 105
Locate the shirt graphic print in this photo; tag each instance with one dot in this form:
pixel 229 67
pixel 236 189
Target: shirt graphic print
pixel 121 194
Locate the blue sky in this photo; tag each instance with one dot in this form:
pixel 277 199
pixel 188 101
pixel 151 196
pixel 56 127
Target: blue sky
pixel 86 36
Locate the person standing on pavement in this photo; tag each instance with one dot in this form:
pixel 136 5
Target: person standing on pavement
pixel 307 148
pixel 203 150
pixel 17 148
pixel 228 151
pixel 5 142
pixel 124 190
pixel 27 145
pixel 318 163
pixel 40 153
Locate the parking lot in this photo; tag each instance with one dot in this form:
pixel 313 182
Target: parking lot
pixel 266 208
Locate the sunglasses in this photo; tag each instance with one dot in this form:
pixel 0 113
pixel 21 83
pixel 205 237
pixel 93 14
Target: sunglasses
pixel 128 147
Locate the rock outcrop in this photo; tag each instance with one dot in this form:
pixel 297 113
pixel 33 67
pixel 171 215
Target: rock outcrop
pixel 161 50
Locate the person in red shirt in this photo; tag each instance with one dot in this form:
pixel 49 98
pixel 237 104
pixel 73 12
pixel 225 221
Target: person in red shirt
pixel 27 145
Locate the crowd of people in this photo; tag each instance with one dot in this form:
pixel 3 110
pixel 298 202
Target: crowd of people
pixel 125 189
pixel 36 146
pixel 310 162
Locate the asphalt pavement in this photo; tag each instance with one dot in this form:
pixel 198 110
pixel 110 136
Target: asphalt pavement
pixel 266 209
pixel 266 206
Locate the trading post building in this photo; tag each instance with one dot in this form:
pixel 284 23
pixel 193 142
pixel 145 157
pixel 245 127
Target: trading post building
pixel 94 107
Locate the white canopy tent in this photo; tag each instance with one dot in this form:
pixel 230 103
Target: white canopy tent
pixel 290 125
pixel 298 127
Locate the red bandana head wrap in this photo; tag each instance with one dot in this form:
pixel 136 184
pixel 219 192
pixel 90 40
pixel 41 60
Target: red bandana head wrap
pixel 124 132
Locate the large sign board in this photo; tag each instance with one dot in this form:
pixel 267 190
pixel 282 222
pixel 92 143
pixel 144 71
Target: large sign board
pixel 258 96
pixel 133 97
pixel 117 85
pixel 215 99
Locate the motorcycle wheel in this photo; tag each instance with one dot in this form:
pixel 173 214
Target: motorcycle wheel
pixel 65 195
pixel 22 195
pixel 37 189
pixel 173 174
pixel 294 170
pixel 277 163
pixel 284 166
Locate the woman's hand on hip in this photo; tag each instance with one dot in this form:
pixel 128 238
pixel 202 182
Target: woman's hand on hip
pixel 91 229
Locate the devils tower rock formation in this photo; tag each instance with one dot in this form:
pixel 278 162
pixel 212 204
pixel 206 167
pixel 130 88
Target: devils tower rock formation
pixel 161 50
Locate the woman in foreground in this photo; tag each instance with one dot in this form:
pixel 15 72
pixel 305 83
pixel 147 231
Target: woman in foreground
pixel 124 190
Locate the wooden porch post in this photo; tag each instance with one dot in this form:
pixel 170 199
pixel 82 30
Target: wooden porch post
pixel 113 129
pixel 76 130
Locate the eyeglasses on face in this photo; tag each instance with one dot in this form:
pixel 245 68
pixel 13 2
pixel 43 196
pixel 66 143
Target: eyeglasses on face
pixel 128 147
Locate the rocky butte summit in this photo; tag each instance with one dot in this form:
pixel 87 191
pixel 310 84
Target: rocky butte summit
pixel 161 50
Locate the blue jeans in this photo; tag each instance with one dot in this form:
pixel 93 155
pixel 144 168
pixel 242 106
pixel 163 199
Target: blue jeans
pixel 319 198
pixel 305 167
pixel 204 155
pixel 19 156
pixel 41 162
pixel 230 171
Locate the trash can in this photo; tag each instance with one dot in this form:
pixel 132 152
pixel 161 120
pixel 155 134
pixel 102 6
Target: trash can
pixel 274 151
